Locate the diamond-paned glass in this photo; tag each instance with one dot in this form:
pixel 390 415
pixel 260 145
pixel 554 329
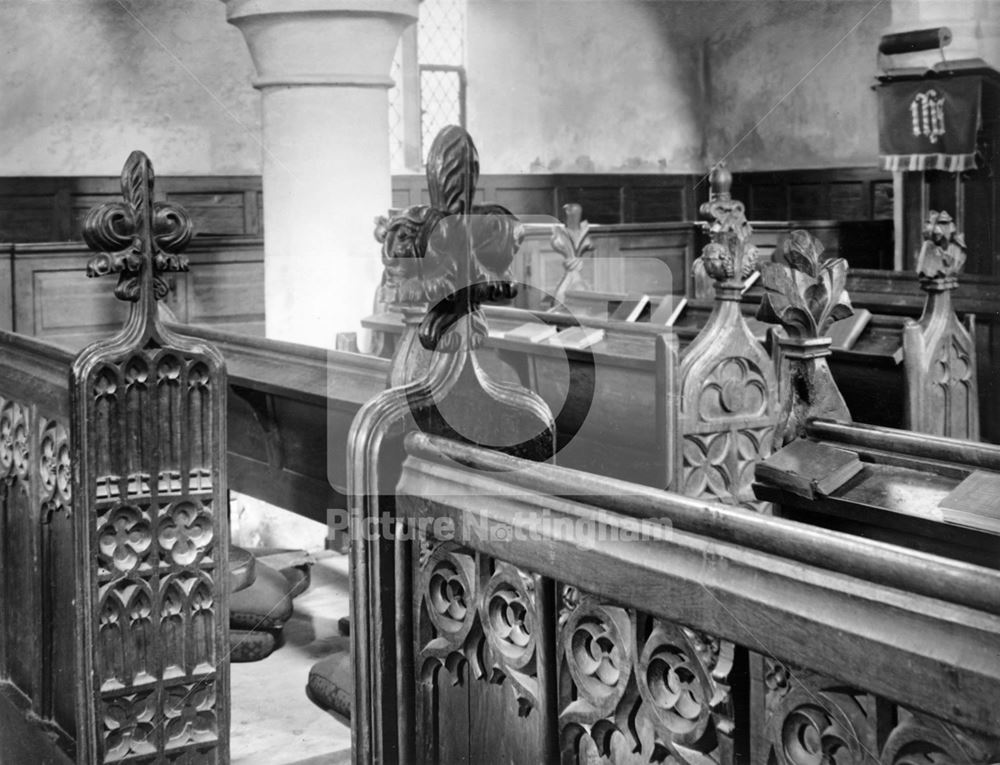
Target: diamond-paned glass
pixel 441 96
pixel 441 32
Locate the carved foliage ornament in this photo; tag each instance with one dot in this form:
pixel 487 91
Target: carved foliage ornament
pixel 572 242
pixel 803 292
pixel 452 254
pixel 137 234
pixel 942 254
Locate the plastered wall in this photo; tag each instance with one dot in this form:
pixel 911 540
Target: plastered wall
pixel 554 85
pixel 668 85
pixel 84 82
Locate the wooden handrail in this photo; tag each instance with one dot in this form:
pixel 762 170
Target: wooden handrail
pixel 921 573
pixel 808 614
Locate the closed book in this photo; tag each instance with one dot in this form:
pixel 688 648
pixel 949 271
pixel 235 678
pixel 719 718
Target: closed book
pixel 668 311
pixel 577 337
pixel 975 502
pixel 631 309
pixel 532 332
pixel 808 468
pixel 844 333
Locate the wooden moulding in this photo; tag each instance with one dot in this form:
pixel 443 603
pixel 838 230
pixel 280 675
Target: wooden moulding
pixel 727 393
pixel 452 256
pixel 148 422
pixel 862 627
pixel 939 350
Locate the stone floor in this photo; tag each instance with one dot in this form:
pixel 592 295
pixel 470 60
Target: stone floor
pixel 273 723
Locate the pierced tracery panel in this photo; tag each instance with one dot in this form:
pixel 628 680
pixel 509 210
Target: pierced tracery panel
pixel 149 430
pixel 479 618
pixel 634 689
pixel 810 719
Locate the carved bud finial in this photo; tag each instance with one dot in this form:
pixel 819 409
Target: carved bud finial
pixel 729 257
pixel 803 292
pixel 942 254
pixel 721 182
pixel 138 239
pixel 451 254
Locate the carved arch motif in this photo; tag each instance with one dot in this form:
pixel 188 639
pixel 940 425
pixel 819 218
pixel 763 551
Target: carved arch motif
pixel 148 408
pixel 728 402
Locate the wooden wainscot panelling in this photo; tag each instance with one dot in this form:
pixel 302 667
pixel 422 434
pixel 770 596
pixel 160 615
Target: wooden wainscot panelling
pixel 52 302
pixel 53 209
pixel 629 258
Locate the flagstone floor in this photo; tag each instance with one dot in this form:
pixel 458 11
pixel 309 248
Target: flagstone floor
pixel 273 723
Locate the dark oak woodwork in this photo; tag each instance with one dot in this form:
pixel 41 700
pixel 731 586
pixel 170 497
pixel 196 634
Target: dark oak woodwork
pixel 289 409
pixel 150 525
pixel 454 256
pixel 821 605
pixel 114 559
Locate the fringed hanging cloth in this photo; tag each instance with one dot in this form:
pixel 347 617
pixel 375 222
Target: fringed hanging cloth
pixel 929 123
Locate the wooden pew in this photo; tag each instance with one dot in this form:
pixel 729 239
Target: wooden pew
pixel 115 559
pixel 708 417
pixel 915 351
pixel 630 659
pixel 594 393
pixel 615 620
pixel 610 636
pixel 289 409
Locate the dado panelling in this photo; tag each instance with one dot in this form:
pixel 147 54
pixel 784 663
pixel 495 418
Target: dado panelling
pixel 224 288
pixel 52 208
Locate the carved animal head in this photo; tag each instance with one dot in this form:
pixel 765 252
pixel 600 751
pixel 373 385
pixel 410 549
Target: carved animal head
pixel 729 256
pixel 942 255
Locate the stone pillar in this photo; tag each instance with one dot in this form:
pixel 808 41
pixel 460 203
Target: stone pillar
pixel 323 72
pixel 975 27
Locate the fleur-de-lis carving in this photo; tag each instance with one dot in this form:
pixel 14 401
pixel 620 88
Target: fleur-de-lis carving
pixel 729 256
pixel 573 242
pixel 942 254
pixel 803 292
pixel 137 238
pixel 452 254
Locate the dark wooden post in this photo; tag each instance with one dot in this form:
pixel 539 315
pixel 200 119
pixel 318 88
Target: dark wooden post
pixel 939 352
pixel 728 401
pixel 443 261
pixel 149 487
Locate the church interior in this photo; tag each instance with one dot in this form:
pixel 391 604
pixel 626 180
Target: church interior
pixel 500 381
